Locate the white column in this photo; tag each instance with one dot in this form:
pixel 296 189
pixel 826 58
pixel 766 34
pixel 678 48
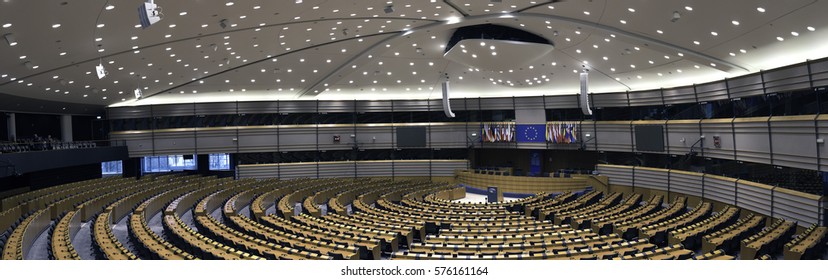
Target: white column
pixel 66 128
pixel 12 126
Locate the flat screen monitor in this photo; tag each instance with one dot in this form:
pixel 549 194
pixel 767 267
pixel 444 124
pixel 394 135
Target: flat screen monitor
pixel 411 137
pixel 649 138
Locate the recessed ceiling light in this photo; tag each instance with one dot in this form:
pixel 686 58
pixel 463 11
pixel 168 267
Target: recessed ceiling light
pixel 697 42
pixel 7 25
pixel 735 22
pixel 101 25
pixel 229 4
pixel 182 13
pixel 659 31
pixel 623 21
pixel 742 51
pixel 586 12
pixel 56 25
pixel 760 9
pixel 794 33
pixel 688 8
pixel 631 10
pixel 110 7
pixel 780 39
pixel 714 33
pixel 811 28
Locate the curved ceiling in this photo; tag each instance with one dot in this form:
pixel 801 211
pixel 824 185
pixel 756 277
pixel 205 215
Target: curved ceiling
pixel 361 49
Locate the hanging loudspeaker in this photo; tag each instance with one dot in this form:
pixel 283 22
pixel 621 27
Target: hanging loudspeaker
pixel 585 94
pixel 446 104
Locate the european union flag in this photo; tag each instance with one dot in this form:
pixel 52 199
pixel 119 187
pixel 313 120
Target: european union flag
pixel 531 133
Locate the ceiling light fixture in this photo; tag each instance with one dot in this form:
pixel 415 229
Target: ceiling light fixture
pixel 10 40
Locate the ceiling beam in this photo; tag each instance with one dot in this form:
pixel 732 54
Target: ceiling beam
pixel 456 8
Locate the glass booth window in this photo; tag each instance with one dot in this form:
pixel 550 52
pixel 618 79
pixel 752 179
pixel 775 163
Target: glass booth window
pixel 156 164
pixel 112 168
pixel 219 162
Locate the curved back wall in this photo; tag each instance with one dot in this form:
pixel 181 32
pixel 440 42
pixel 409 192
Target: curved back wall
pixel 791 141
pixel 806 209
pixel 368 168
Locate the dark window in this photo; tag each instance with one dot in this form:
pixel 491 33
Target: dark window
pixel 336 118
pixel 687 111
pixel 612 114
pixel 381 117
pixel 751 106
pixel 657 112
pixel 717 109
pixel 298 118
pixel 565 115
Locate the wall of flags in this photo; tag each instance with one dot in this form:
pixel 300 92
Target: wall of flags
pixel 505 132
pixel 498 132
pixel 562 132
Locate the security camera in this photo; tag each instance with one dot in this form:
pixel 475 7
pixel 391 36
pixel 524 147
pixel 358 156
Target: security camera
pixel 676 16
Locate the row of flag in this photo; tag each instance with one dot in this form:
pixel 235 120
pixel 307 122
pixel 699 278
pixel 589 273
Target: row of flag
pixel 552 132
pixel 562 133
pixel 497 132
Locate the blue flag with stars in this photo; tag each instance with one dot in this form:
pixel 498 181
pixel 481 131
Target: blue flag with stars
pixel 531 133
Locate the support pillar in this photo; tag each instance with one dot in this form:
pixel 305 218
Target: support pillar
pixel 12 127
pixel 66 128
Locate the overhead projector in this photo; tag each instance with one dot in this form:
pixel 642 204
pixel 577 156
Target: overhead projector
pixel 149 13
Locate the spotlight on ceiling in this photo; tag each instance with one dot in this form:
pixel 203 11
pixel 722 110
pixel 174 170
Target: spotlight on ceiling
pixel 223 23
pixel 389 9
pixel 676 16
pixel 10 40
pixel 149 13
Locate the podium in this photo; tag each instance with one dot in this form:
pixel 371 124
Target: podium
pixel 494 194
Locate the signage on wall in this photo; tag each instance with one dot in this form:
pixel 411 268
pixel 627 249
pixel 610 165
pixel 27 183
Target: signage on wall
pixel 336 138
pixel 717 142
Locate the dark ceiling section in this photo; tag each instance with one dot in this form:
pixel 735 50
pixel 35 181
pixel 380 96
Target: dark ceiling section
pixel 13 103
pixel 494 32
